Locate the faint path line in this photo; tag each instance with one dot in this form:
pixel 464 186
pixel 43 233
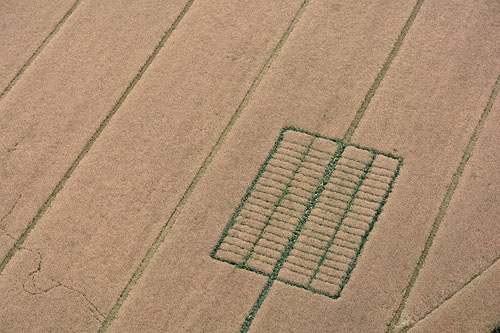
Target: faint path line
pixel 10 211
pixel 96 313
pixel 456 292
pixel 92 139
pixel 189 190
pixel 39 49
pixel 446 201
pixel 371 91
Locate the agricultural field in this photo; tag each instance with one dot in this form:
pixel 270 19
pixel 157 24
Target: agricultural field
pixel 249 166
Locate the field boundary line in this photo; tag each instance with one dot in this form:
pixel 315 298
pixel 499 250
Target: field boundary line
pixel 39 49
pixel 463 286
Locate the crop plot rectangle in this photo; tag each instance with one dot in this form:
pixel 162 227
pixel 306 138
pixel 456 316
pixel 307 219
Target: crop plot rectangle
pixel 306 216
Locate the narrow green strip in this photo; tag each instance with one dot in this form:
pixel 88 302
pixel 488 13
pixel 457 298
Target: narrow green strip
pixel 39 49
pixel 385 67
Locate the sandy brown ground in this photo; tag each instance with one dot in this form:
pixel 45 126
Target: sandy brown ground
pixel 131 131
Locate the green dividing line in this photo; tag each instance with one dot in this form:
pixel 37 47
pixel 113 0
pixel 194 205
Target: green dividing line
pixel 286 252
pixel 39 49
pixel 342 218
pixel 160 238
pixel 91 141
pixel 385 67
pixel 445 203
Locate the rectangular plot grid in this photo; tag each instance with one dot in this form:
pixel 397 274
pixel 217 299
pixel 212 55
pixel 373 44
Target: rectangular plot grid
pixel 306 216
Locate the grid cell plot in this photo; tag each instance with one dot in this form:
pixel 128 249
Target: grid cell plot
pixel 308 213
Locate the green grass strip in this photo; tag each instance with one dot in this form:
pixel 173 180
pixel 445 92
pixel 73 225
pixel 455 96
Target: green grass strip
pixel 385 67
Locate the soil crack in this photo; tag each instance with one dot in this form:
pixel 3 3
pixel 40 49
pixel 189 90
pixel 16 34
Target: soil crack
pixel 37 284
pixel 2 226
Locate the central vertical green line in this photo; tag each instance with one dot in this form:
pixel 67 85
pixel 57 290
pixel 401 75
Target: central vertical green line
pixel 291 242
pixel 349 204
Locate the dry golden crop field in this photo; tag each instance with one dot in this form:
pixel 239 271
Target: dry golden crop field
pixel 249 166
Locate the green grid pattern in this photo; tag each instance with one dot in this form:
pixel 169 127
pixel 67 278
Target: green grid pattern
pixel 306 216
